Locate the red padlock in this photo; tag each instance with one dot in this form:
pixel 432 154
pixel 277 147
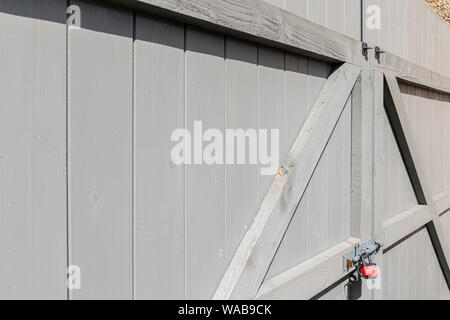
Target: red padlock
pixel 369 271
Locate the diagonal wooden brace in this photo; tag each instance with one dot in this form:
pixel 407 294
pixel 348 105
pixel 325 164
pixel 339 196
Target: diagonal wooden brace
pixel 249 266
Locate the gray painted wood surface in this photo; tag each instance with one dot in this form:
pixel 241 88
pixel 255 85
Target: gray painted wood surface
pixel 398 118
pixel 205 184
pixel 429 115
pixel 159 185
pixel 272 112
pixel 100 151
pixel 33 255
pixel 256 20
pixel 406 26
pixel 242 110
pixel 393 185
pixel 256 252
pixel 242 87
pixel 309 279
pixel 421 279
pixel 378 196
pixel 445 220
pixel 343 16
pixel 327 199
pixel 192 219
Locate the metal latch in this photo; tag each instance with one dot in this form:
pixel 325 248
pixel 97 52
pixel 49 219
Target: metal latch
pixel 378 53
pixel 365 49
pixel 361 259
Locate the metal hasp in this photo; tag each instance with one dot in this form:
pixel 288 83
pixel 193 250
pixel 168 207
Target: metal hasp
pixel 378 52
pixel 364 251
pixel 365 49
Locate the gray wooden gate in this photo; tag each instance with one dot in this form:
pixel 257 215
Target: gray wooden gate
pixel 86 177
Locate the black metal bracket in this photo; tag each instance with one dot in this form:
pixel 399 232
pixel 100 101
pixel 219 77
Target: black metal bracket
pixel 378 53
pixel 365 50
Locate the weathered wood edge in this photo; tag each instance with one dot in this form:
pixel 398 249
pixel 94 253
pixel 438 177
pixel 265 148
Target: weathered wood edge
pixel 442 202
pixel 310 277
pixel 261 22
pixel 395 109
pixel 413 74
pixel 249 266
pixel 378 134
pixel 361 218
pixel 405 223
pixel 258 21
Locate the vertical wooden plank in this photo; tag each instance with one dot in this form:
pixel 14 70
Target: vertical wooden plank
pixel 396 186
pixel 301 92
pixel 100 155
pixel 241 113
pixel 362 162
pixel 298 7
pixel 297 109
pixel 353 19
pixel 446 137
pixel 159 183
pixel 445 220
pixel 423 140
pixel 412 36
pixel 272 116
pixel 437 169
pixel 308 233
pixel 368 35
pixel 357 158
pixel 378 171
pixel 331 218
pixel 317 11
pixel 346 165
pixel 434 107
pixel 271 102
pixel 420 36
pixel 33 256
pixel 423 280
pixel 317 208
pixel 205 187
pixel 336 15
pixel 296 238
pixel 336 193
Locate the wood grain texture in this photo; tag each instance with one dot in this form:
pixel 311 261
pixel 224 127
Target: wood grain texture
pixel 33 246
pixel 404 224
pixel 322 218
pixel 411 73
pixel 250 264
pixel 309 278
pixel 259 21
pixel 443 203
pixel 100 151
